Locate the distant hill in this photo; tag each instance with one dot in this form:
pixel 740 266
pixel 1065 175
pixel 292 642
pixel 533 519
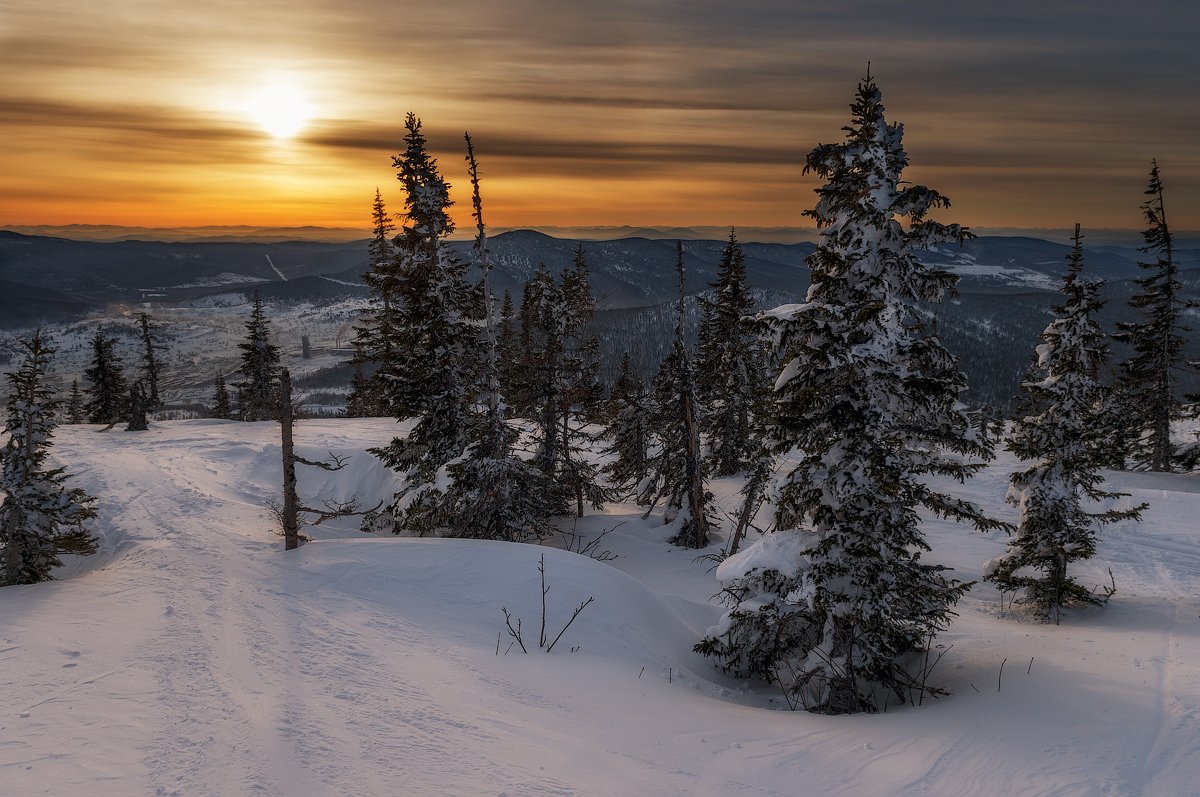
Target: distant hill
pixel 1006 289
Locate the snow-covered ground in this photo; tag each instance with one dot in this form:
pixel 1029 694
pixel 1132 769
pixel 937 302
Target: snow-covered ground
pixel 192 656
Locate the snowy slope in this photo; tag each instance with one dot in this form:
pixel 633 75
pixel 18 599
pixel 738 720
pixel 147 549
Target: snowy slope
pixel 193 657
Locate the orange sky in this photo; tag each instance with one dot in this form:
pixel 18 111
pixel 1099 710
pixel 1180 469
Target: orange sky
pixel 138 112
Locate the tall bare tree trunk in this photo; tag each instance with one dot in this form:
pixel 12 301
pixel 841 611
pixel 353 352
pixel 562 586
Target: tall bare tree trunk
pixel 290 515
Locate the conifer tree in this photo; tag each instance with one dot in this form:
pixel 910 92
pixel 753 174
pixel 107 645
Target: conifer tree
pixel 361 402
pixel 258 391
pixel 75 413
pixel 379 333
pixel 865 412
pixel 107 400
pixel 511 357
pixel 628 432
pixel 562 364
pixel 731 359
pixel 494 494
pixel 40 517
pixel 221 406
pixel 676 467
pixel 151 364
pixel 139 405
pixel 1063 448
pixel 436 362
pixel 1149 375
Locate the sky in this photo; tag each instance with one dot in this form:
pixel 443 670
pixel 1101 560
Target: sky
pixel 638 112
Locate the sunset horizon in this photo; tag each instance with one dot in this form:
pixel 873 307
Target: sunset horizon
pixel 642 115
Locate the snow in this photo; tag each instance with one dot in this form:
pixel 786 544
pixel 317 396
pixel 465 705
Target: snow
pixel 192 656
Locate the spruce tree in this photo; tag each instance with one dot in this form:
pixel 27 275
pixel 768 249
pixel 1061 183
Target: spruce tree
pixel 628 432
pixel 732 361
pixel 151 363
pixel 865 413
pixel 562 363
pixel 494 493
pixel 1149 376
pixel 581 389
pixel 436 360
pixel 40 517
pixel 75 413
pixel 258 390
pixel 221 406
pixel 361 402
pixel 378 335
pixel 511 356
pixel 139 405
pixel 107 400
pixel 1064 449
pixel 676 466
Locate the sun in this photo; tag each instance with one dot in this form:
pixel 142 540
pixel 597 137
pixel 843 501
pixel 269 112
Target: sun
pixel 280 109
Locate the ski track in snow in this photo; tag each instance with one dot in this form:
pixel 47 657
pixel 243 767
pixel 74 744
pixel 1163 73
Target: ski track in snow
pixel 193 657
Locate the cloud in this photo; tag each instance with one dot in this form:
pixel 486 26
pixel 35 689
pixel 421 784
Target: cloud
pixel 605 91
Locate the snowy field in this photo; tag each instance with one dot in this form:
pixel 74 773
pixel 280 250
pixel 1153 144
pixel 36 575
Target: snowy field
pixel 193 657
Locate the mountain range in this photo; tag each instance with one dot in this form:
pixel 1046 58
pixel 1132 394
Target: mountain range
pixel 1007 284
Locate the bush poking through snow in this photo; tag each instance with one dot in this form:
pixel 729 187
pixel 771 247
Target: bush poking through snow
pixel 544 641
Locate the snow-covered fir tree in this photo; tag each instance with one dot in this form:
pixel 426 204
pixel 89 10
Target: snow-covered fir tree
pixel 436 360
pixel 378 334
pixel 221 405
pixel 561 365
pixel 831 604
pixel 258 390
pixel 1063 448
pixel 493 493
pixel 1150 375
pixel 107 394
pixel 676 471
pixel 150 359
pixel 40 517
pixel 628 432
pixel 731 358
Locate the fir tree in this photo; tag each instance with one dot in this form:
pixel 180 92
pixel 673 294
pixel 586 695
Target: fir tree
pixel 865 413
pixel 151 365
pixel 510 354
pixel 1149 375
pixel 1064 449
pixel 562 363
pixel 75 413
pixel 221 406
pixel 676 467
pixel 436 360
pixel 40 518
pixel 494 494
pixel 107 401
pixel 258 390
pixel 731 359
pixel 139 405
pixel 379 334
pixel 361 402
pixel 628 431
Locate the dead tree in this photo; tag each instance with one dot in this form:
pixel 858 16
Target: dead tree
pixel 289 513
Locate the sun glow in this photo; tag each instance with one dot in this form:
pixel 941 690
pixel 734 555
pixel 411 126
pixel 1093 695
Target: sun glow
pixel 280 109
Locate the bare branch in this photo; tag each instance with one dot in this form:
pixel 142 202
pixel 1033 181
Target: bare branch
pixel 334 509
pixel 333 463
pixel 514 633
pixel 568 625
